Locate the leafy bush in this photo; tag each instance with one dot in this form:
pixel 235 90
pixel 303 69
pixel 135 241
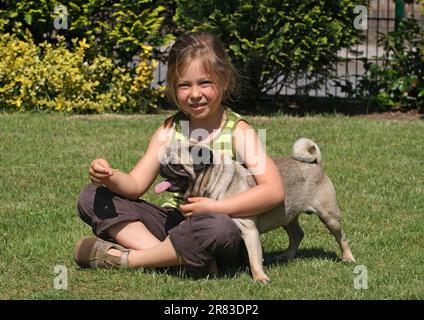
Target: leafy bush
pixel 114 29
pixel 398 81
pixel 272 42
pixel 51 77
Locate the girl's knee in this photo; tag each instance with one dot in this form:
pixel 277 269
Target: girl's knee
pixel 224 226
pixel 221 227
pixel 86 198
pixel 226 238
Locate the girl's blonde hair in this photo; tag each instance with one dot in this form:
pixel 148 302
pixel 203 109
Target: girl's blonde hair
pixel 216 63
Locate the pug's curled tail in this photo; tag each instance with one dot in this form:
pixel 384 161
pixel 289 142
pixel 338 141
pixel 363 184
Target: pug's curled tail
pixel 306 150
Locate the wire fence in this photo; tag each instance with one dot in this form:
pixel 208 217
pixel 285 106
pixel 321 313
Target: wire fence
pixel 381 20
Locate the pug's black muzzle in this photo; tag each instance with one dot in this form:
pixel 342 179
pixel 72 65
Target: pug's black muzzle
pixel 176 175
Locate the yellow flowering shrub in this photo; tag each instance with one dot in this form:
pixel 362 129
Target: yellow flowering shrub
pixel 140 89
pixel 48 77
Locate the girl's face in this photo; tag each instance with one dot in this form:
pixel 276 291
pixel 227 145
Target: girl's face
pixel 198 93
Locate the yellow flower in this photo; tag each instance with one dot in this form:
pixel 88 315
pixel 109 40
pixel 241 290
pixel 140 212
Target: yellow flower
pixel 83 44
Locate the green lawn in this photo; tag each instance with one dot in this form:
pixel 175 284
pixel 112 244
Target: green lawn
pixel 376 166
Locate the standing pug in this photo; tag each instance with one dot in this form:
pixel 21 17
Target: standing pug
pixel 308 189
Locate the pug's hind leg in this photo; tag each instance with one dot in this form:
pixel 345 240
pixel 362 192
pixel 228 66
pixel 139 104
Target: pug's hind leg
pixel 295 233
pixel 332 220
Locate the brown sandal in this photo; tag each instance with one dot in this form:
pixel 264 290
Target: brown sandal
pixel 91 252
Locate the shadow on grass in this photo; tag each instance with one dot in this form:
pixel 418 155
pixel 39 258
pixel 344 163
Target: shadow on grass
pixel 270 259
pixel 199 274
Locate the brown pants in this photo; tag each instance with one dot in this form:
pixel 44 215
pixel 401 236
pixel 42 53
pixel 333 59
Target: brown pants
pixel 198 239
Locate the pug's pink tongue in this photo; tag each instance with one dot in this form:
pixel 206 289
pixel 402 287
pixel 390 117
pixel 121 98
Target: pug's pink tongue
pixel 162 186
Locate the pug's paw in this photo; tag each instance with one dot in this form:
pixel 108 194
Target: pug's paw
pixel 261 277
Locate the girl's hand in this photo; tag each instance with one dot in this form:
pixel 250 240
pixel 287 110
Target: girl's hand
pixel 198 205
pixel 99 171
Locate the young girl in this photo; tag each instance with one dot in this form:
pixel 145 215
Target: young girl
pixel 199 77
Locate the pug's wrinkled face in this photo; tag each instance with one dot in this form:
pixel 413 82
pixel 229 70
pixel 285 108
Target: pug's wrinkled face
pixel 180 165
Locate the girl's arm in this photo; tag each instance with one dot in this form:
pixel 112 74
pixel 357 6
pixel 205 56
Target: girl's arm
pixel 267 194
pixel 141 177
pixel 269 191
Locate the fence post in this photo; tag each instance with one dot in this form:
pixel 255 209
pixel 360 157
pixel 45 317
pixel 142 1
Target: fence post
pixel 400 12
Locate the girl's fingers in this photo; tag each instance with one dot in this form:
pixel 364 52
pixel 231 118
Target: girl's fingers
pixel 101 166
pixel 185 207
pixel 95 181
pixel 101 176
pixel 100 171
pixel 194 199
pixel 97 176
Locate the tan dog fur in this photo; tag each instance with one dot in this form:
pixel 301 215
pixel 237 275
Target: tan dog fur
pixel 307 189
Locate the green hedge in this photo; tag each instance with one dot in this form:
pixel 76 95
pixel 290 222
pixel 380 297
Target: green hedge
pixel 398 82
pixel 105 60
pixel 115 29
pixel 47 77
pixel 271 41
